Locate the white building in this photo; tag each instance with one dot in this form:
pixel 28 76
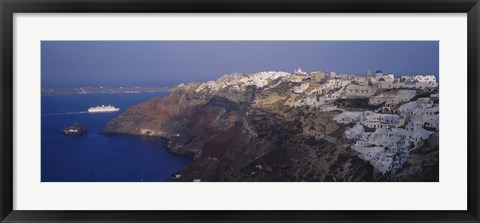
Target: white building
pixel 300 89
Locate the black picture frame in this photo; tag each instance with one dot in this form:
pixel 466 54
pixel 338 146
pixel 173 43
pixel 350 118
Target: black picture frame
pixel 9 7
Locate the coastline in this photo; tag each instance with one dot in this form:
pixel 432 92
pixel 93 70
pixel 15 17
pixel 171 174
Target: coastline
pixel 234 130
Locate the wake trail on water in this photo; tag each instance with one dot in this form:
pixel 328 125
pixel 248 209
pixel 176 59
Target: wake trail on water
pixel 67 113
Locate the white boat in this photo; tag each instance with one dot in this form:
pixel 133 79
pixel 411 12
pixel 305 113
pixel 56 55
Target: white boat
pixel 103 108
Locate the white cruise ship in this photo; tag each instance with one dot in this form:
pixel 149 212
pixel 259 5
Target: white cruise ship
pixel 103 108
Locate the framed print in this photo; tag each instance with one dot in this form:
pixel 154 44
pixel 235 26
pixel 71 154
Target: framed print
pixel 239 111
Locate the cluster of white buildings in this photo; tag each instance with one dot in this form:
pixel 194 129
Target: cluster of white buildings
pixel 318 87
pixel 384 137
pixel 324 87
pixel 241 81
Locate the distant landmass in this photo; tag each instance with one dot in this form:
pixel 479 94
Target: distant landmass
pixel 102 90
pixel 279 126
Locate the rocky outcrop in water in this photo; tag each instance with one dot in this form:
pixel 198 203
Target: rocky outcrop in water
pixel 75 129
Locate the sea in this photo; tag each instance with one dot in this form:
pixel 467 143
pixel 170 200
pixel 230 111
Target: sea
pixel 98 157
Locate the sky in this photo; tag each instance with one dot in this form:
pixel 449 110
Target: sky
pixel 168 63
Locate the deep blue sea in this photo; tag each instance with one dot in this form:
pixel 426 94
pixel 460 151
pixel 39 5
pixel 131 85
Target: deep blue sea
pixel 97 157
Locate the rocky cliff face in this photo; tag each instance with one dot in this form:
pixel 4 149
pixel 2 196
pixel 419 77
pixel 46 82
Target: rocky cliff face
pixel 238 129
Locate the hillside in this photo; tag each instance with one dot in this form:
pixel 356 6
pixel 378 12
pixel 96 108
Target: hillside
pixel 278 126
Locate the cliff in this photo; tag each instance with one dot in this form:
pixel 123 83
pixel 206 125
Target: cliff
pixel 251 128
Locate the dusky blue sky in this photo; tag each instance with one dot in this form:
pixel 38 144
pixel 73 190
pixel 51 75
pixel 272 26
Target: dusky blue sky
pixel 167 63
